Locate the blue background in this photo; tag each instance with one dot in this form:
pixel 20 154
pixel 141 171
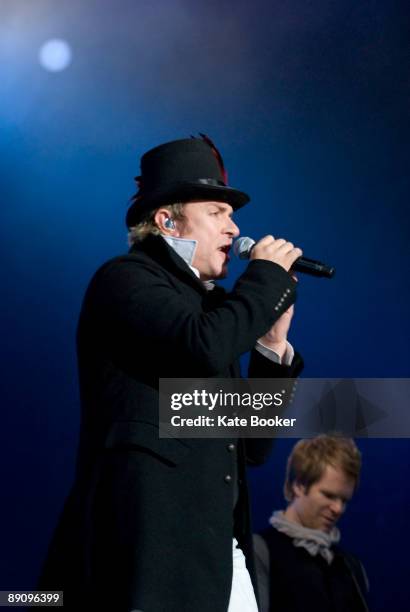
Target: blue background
pixel 309 104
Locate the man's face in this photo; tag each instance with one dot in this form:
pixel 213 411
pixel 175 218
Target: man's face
pixel 211 224
pixel 325 501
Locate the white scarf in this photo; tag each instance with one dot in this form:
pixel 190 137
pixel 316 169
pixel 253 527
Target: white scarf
pixel 313 540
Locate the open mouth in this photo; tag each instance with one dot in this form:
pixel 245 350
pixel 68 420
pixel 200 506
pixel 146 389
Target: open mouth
pixel 225 251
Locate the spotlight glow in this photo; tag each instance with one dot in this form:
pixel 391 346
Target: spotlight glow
pixel 55 55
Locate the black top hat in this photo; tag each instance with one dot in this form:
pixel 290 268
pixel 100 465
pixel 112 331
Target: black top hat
pixel 180 171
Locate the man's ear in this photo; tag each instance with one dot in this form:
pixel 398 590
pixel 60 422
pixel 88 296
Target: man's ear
pixel 164 222
pixel 298 489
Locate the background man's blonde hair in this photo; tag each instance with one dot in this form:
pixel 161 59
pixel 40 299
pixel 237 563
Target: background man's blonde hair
pixel 147 225
pixel 309 458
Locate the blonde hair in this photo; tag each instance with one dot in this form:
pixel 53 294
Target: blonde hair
pixel 147 225
pixel 309 458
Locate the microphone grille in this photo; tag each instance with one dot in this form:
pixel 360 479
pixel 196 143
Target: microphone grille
pixel 242 247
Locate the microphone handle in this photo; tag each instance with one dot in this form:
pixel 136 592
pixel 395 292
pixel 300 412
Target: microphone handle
pixel 243 248
pixel 313 267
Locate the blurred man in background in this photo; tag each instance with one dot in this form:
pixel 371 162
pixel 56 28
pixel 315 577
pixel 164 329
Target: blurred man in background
pixel 300 565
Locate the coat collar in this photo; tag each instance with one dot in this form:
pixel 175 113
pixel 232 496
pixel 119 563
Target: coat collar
pixel 158 250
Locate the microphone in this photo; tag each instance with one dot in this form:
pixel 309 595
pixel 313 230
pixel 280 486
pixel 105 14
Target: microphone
pixel 243 247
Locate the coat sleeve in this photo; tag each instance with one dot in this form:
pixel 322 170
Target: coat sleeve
pixel 141 304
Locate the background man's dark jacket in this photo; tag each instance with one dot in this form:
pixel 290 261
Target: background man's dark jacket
pixel 149 522
pixel 290 579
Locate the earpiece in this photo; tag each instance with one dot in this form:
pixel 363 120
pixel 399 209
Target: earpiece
pixel 169 224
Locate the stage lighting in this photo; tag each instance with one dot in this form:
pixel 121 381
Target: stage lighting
pixel 55 55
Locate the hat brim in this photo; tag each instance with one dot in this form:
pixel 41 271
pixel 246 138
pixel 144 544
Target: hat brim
pixel 184 192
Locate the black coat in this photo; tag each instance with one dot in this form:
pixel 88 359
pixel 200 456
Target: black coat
pixel 149 522
pixel 290 579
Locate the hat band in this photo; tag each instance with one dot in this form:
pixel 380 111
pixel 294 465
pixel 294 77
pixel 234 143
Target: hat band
pixel 213 182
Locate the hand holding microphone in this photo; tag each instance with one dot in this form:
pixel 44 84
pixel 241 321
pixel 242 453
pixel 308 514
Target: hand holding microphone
pixel 281 252
pixel 278 251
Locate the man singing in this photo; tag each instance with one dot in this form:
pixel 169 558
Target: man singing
pixel 160 524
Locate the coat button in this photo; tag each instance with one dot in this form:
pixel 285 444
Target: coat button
pixel 231 447
pixel 228 478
